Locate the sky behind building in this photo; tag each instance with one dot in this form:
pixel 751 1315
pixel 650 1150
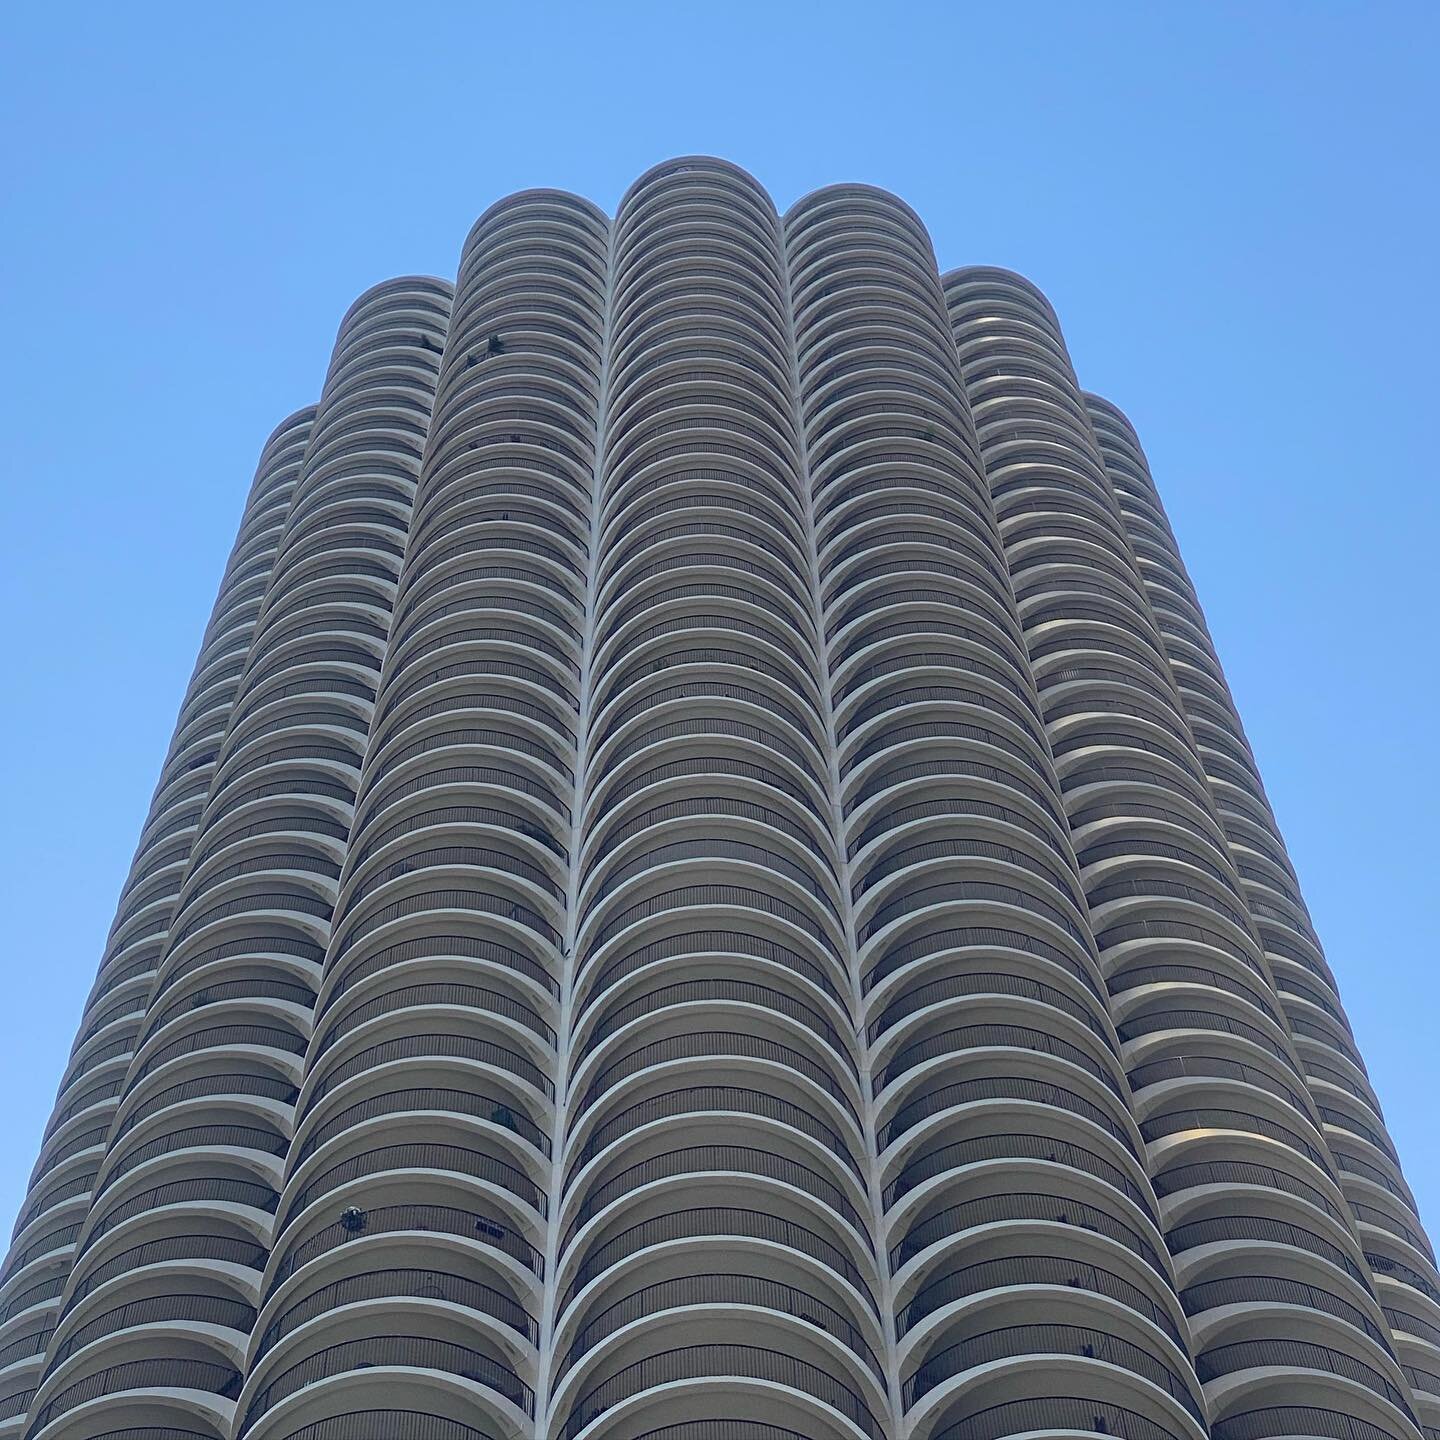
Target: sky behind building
pixel 1232 209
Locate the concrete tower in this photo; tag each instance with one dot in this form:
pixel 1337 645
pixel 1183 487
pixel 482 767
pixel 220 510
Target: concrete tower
pixel 709 886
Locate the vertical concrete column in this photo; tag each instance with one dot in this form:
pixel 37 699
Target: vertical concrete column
pixel 49 1227
pixel 716 1262
pixel 1401 1260
pixel 408 1281
pixel 1236 1146
pixel 1018 1223
pixel 158 1313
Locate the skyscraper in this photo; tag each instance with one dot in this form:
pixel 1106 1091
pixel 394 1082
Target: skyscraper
pixel 709 886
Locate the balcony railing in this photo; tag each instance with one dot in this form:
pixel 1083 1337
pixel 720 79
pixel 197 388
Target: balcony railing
pixel 1064 1412
pixel 716 1221
pixel 499 1110
pixel 720 1430
pixel 391 1424
pixel 422 1155
pixel 142 1375
pixel 716 1045
pixel 490 1229
pixel 1012 1147
pixel 45 1290
pixel 1042 1340
pixel 1240 1172
pixel 433 1045
pixel 1300 1420
pixel 1206 1066
pixel 175 1192
pixel 243 1137
pixel 700 1098
pixel 27 1345
pixel 17 1402
pixel 438 992
pixel 720 1361
pixel 1258 1227
pixel 197 1309
pixel 757 1290
pixel 1001 1087
pixel 384 1284
pixel 718 988
pixel 1029 1269
pixel 954 987
pixel 269 1087
pixel 969 1037
pixel 1179 1121
pixel 268 1036
pixel 701 1158
pixel 417 1351
pixel 1298 1355
pixel 224 1248
pixel 42 1245
pixel 1278 1290
pixel 1023 1205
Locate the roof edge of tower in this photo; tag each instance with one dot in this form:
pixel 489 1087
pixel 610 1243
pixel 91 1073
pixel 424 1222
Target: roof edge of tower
pixel 533 193
pixel 396 282
pixel 962 274
pixel 294 418
pixel 1099 402
pixel 680 163
pixel 858 187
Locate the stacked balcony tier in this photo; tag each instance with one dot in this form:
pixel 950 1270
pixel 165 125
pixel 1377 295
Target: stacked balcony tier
pixel 1280 1302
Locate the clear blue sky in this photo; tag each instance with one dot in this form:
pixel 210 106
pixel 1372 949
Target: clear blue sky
pixel 1233 208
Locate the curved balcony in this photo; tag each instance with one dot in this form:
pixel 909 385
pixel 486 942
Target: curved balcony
pixel 1302 1355
pixel 197 1309
pixel 700 1290
pixel 201 1245
pixel 108 1029
pixel 1059 1413
pixel 726 1363
pixel 378 1424
pixel 389 1283
pixel 938 1222
pixel 489 1227
pixel 174 1375
pixel 418 1155
pixel 1045 1340
pixel 1301 1419
pixel 605 1186
pixel 607 1013
pixel 732 1222
pixel 500 1110
pixel 1058 1271
pixel 423 1352
pixel 1098 1162
pixel 1269 1289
